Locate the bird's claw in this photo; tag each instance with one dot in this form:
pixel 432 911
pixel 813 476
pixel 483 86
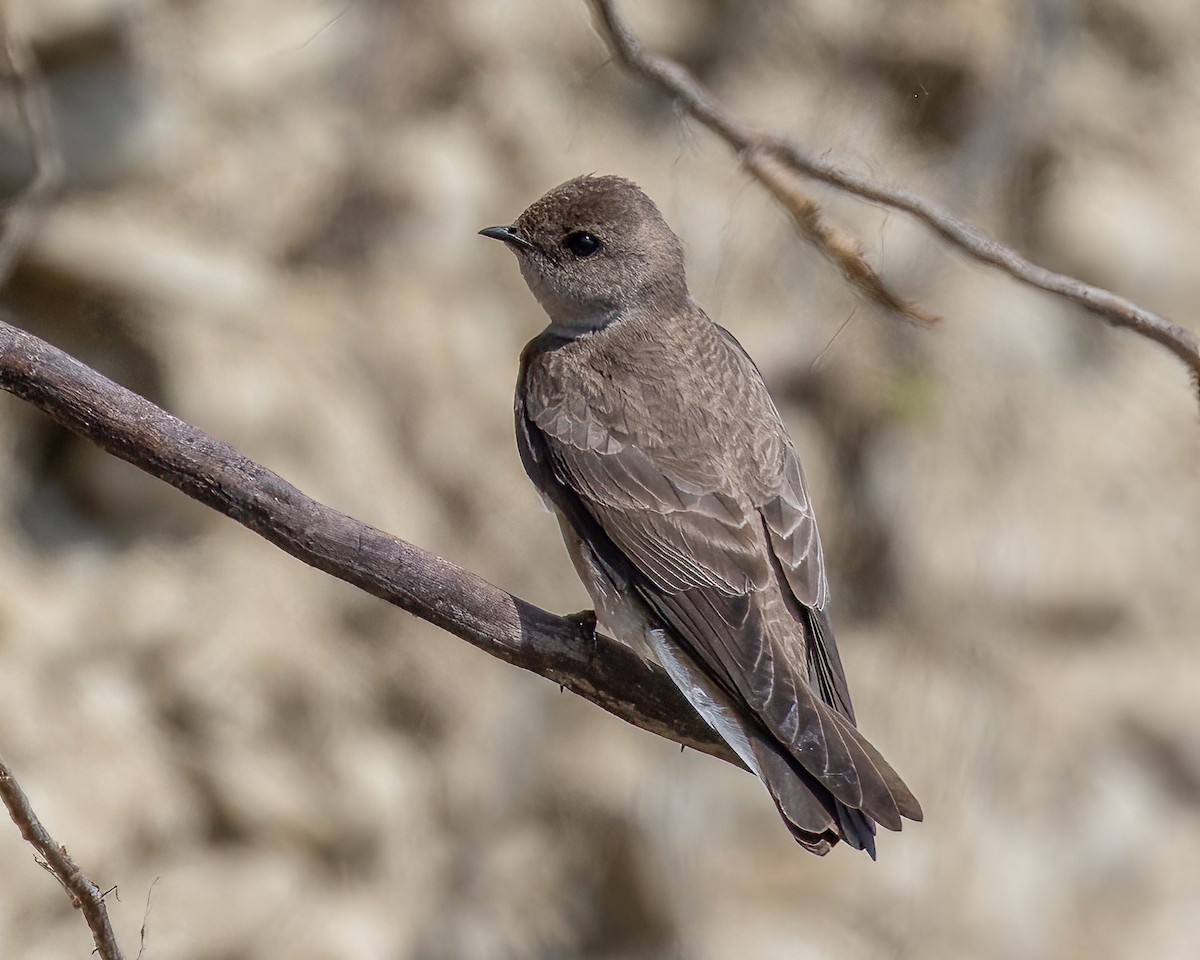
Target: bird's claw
pixel 585 622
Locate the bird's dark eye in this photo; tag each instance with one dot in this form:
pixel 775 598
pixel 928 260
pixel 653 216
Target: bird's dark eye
pixel 582 244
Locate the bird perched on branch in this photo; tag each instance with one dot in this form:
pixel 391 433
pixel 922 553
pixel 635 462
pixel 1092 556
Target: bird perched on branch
pixel 650 434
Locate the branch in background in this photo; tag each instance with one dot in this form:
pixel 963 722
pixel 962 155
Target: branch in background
pixel 84 894
pixel 752 143
pixel 563 649
pixel 838 244
pixel 20 73
pixel 835 243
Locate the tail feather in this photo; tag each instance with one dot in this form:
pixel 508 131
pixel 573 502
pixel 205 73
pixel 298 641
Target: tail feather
pixel 813 815
pixel 816 818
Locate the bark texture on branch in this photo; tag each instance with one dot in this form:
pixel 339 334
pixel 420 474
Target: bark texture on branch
pixel 751 143
pixel 561 649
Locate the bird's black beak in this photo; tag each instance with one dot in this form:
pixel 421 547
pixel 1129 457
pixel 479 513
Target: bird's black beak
pixel 508 235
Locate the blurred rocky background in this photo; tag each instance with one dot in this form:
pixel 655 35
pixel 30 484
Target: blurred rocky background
pixel 268 227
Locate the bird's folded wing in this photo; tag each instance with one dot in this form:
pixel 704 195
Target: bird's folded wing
pixel 705 560
pixel 796 550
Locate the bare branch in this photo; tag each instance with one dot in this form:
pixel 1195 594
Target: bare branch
pixel 20 72
pixel 85 895
pixel 563 649
pixel 777 177
pixel 836 243
pixel 751 143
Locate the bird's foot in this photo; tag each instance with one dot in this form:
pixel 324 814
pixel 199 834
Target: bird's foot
pixel 585 622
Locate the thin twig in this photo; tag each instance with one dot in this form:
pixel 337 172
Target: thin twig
pixel 20 72
pixel 146 920
pixel 750 142
pixel 836 243
pixel 84 894
pixel 565 650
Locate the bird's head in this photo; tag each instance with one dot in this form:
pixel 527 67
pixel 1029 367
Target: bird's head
pixel 595 250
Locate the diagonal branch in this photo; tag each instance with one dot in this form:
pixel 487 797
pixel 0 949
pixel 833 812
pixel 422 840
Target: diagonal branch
pixel 84 894
pixel 751 144
pixel 564 650
pixel 837 244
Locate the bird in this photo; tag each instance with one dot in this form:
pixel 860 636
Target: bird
pixel 650 434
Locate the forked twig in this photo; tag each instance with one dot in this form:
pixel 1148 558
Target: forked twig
pixel 752 144
pixel 84 894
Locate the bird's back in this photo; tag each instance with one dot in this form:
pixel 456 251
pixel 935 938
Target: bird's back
pixel 681 389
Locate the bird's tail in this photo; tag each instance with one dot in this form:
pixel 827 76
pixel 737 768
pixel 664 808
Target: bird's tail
pixel 815 817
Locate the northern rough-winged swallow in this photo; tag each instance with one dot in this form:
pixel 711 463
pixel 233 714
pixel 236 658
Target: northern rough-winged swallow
pixel 648 430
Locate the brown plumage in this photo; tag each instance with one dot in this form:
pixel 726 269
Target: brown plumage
pixel 649 431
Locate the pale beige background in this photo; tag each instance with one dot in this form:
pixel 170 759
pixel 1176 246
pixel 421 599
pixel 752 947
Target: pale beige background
pixel 269 228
